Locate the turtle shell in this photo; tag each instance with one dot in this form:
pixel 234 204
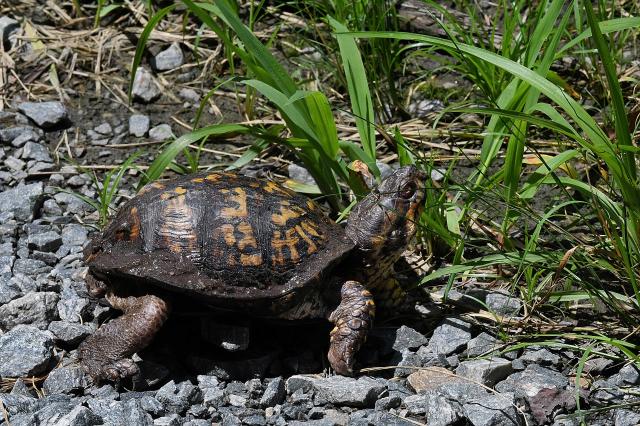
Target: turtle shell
pixel 220 236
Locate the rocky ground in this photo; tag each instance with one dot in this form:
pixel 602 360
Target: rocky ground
pixel 443 367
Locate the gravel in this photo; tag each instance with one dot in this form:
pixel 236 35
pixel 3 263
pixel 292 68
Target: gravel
pixel 450 336
pixel 37 308
pixel 46 115
pixel 21 201
pixel 25 351
pixel 169 59
pixel 145 89
pixel 139 125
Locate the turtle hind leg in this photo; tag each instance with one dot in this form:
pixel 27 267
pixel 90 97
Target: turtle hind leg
pixel 353 319
pixel 105 354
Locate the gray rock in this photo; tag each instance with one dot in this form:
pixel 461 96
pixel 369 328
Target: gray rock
pixel 73 309
pixel 226 336
pixel 69 379
pixel 9 135
pixel 171 420
pixel 145 89
pixel 151 405
pixel 104 129
pixel 15 165
pixel 628 375
pixel 46 115
pixel 214 397
pixel 424 107
pixel 36 151
pixel 20 388
pixel 29 136
pixel 177 398
pixel 37 309
pixel 15 404
pixel 8 30
pixel 388 402
pixel 120 413
pixel 69 333
pixel 482 344
pixel 450 336
pixel 138 125
pixel 626 417
pixel 531 381
pixel 25 351
pixel 503 304
pixel 408 359
pixel 79 416
pixel 71 203
pixel 539 356
pixel 45 241
pixel 300 174
pixel 74 235
pixel 189 94
pixel 168 59
pixel 339 390
pixel 9 290
pixel 485 371
pixel 197 422
pixel 30 267
pixel 274 393
pixel 161 132
pixel 408 338
pixel 492 410
pixel 21 200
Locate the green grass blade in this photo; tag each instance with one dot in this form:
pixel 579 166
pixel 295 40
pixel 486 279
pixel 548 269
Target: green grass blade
pixel 174 148
pixel 358 87
pixel 622 125
pixel 142 42
pixel 281 79
pixel 536 179
pixel 598 140
pixel 606 27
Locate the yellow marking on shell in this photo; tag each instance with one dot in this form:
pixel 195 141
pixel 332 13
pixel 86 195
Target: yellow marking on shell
pixel 247 236
pixel 228 233
pixel 289 241
pixel 272 187
pixel 231 261
pixel 197 180
pixel 180 190
pixel 240 198
pixel 134 233
pixel 285 214
pixel 311 205
pixel 177 229
pixel 251 259
pixel 166 195
pixel 214 177
pixel 311 246
pixel 310 227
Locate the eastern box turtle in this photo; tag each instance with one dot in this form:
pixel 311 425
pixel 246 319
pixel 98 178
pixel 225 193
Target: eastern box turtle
pixel 247 245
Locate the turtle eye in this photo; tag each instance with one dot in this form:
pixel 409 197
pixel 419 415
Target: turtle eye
pixel 408 190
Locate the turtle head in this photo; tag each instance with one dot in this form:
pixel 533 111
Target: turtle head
pixel 386 218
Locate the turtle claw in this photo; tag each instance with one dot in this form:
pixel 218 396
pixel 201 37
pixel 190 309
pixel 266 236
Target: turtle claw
pixel 120 369
pixel 352 319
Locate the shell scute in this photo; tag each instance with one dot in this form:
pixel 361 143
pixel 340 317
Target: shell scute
pixel 234 237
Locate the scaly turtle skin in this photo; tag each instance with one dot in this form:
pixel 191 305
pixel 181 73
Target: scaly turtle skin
pixel 248 245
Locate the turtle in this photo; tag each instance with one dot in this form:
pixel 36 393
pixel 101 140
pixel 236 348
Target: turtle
pixel 250 246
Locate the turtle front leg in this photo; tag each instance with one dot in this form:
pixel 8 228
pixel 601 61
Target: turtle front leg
pixel 353 319
pixel 105 354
